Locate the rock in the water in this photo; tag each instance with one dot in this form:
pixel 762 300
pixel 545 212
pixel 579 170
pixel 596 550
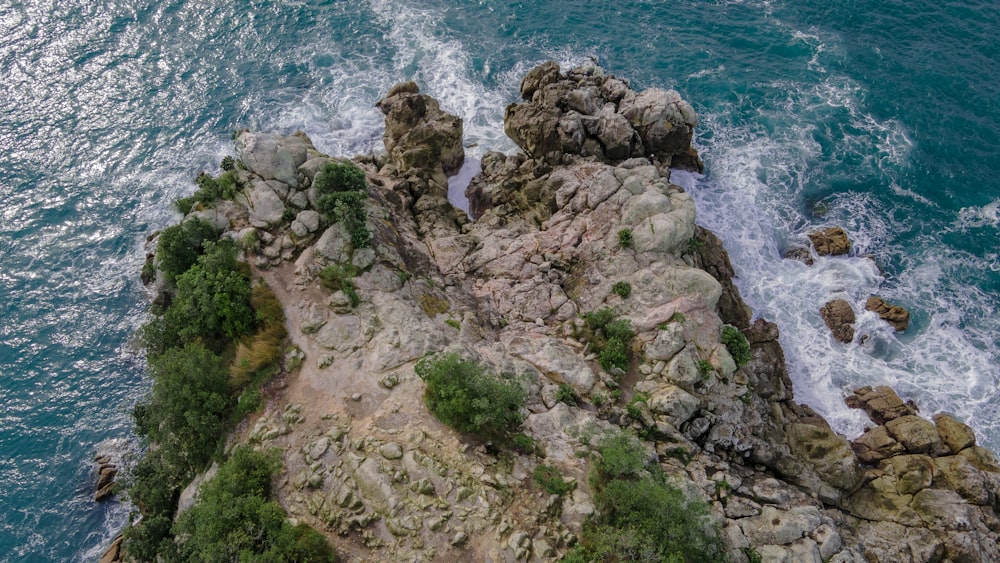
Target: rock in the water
pixel 113 553
pixel 830 242
pixel 799 253
pixel 839 316
pixel 895 315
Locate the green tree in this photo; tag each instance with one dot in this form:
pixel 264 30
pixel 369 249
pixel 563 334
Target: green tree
pixel 185 412
pixel 213 298
pixel 179 246
pixel 341 194
pixel 235 520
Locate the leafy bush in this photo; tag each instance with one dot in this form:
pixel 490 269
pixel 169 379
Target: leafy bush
pixel 705 369
pixel 462 395
pixel 737 344
pixel 566 394
pixel 620 455
pixel 611 338
pixel 213 299
pixel 641 516
pixel 179 246
pixel 551 481
pixel 341 195
pixel 625 239
pixel 186 409
pixel 235 520
pixel 209 191
pixel 633 406
pixel 622 289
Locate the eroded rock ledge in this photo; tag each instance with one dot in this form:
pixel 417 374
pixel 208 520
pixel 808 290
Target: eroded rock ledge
pixel 366 462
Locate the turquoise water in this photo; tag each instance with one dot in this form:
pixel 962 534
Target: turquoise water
pixel 880 116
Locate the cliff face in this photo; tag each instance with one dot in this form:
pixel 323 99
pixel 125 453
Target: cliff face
pixel 562 228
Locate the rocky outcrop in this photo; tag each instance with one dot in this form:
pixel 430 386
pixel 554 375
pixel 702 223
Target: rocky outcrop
pixel 839 317
pixel 929 493
pixel 895 315
pixel 586 207
pixel 422 141
pixel 832 241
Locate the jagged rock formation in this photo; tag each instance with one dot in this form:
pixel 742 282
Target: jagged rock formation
pixel 832 241
pixel 895 315
pixel 365 461
pixel 839 317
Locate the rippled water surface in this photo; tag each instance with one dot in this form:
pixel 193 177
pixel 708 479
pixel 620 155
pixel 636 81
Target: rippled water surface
pixel 879 116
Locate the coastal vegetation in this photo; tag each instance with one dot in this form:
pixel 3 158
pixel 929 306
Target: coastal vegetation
pixel 610 337
pixel 209 346
pixel 641 516
pixel 463 395
pixel 737 345
pixel 341 195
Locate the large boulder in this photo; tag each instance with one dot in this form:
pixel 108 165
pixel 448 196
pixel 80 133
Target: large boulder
pixel 881 403
pixel 272 156
pixel 830 242
pixel 839 317
pixel 664 121
pixel 421 139
pixel 895 315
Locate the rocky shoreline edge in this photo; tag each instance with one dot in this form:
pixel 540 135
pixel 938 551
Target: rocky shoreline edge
pixel 561 229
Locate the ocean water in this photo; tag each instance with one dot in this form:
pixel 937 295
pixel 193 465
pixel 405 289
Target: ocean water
pixel 880 116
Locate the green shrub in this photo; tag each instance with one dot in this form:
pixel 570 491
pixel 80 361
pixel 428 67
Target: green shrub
pixel 620 455
pixel 551 481
pixel 179 246
pixel 228 164
pixel 210 190
pixel 236 520
pixel 737 344
pixel 213 298
pixel 341 195
pixel 625 239
pixel 566 394
pixel 705 369
pixel 610 337
pixel 622 289
pixel 633 406
pixel 462 395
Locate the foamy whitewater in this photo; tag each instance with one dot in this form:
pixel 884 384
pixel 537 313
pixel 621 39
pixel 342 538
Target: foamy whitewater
pixel 811 115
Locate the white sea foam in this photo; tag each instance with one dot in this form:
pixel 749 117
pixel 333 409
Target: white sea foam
pixel 978 217
pixel 948 359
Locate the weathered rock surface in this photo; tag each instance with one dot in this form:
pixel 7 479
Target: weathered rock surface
pixel 895 315
pixel 832 241
pixel 839 317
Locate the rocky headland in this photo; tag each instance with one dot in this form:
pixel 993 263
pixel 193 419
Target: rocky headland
pixel 561 228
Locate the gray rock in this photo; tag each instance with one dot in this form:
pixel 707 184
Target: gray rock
pixel 390 450
pixel 272 156
pixel 334 244
pixel 266 208
pixel 309 219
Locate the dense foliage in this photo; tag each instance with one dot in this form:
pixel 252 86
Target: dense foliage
pixel 341 195
pixel 178 246
pixel 641 516
pixel 464 396
pixel 736 344
pixel 235 520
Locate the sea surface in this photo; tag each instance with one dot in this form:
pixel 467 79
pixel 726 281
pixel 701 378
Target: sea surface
pixel 882 116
